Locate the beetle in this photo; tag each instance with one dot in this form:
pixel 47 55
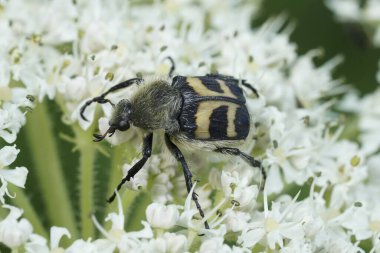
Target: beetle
pixel 205 112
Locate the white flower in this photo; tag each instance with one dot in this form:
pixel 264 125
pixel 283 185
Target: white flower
pixel 140 180
pixel 293 128
pixel 216 245
pixel 162 216
pixel 98 246
pixel 117 237
pixel 13 230
pixel 304 71
pixel 37 244
pixel 237 221
pixel 272 227
pixel 295 246
pixel 237 188
pixel 11 120
pixel 15 176
pixel 169 242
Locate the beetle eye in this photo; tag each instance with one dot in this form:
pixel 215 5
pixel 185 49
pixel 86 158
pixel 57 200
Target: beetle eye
pixel 123 125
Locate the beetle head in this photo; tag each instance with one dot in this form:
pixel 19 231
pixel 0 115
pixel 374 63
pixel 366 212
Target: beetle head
pixel 119 120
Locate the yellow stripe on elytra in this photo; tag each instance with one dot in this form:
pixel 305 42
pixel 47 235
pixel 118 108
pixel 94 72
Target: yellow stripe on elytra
pixel 231 114
pixel 202 118
pixel 202 90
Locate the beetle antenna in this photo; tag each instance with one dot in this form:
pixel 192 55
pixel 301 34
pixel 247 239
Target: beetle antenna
pixel 100 137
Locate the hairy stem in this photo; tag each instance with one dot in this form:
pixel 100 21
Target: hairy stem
pixel 119 155
pixel 48 168
pixel 86 150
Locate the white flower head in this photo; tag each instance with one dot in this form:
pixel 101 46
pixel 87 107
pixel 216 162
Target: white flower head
pixel 73 51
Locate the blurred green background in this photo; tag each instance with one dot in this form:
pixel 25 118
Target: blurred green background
pixel 316 27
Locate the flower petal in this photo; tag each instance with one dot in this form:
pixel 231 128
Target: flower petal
pixel 8 155
pixel 56 233
pixel 16 176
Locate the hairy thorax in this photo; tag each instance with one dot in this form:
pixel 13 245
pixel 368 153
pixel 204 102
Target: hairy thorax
pixel 157 106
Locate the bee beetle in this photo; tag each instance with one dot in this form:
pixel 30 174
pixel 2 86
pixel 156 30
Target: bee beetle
pixel 206 112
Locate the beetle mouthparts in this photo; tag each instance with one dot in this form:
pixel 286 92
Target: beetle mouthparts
pixel 100 137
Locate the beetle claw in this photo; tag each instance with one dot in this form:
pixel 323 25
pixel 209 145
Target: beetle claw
pixel 98 137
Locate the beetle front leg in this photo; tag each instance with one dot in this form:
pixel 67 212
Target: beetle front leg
pixel 147 151
pixel 102 100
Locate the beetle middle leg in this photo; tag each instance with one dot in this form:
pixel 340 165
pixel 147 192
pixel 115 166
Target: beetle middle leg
pixel 147 151
pixel 186 172
pixel 249 159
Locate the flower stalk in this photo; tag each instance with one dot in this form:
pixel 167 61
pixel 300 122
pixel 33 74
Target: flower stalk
pixel 86 151
pixel 41 139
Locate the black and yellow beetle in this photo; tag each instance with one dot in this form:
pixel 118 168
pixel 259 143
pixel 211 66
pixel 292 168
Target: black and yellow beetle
pixel 205 112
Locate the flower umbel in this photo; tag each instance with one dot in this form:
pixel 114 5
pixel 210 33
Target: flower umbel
pixel 71 51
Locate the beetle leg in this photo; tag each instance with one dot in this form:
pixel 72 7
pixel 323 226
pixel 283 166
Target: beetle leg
pixel 249 86
pixel 172 67
pixel 243 82
pixel 186 172
pixel 147 151
pixel 102 100
pixel 249 159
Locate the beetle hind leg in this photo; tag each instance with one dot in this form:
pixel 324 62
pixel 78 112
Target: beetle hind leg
pixel 247 158
pixel 186 172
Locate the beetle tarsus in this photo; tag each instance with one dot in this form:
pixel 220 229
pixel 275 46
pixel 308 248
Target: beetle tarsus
pixel 172 67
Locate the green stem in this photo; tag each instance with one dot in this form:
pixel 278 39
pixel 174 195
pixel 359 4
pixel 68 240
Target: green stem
pixel 136 211
pixel 86 149
pixel 193 240
pixel 116 170
pixel 115 175
pixel 48 168
pixel 30 214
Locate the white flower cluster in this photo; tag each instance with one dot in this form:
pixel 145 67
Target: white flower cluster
pixel 321 194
